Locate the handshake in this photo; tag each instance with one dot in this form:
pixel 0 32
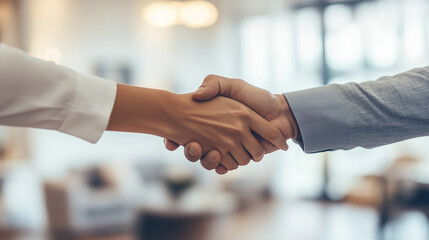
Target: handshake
pixel 232 123
pixel 225 123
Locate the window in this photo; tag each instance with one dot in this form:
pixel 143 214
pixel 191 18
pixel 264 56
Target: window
pixel 363 41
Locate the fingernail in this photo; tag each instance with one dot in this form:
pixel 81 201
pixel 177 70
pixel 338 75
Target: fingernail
pixel 192 151
pixel 211 159
pixel 200 90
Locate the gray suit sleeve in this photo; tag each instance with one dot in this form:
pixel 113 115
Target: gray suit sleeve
pixel 368 115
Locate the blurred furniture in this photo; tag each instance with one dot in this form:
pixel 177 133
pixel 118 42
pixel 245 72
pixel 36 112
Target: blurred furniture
pixel 406 191
pixel 178 205
pixel 249 186
pixel 402 188
pixel 176 208
pixel 87 203
pixel 194 217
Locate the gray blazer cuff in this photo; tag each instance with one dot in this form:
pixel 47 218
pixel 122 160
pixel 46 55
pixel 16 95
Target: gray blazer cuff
pixel 320 119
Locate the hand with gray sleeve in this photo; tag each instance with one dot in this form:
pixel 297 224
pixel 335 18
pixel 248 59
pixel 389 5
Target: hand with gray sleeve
pixel 338 116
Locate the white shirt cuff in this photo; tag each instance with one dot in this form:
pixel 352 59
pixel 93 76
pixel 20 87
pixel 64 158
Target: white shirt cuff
pixel 89 112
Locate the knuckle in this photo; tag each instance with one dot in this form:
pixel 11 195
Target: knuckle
pixel 230 142
pixel 233 130
pixel 210 76
pixel 237 131
pixel 238 81
pixel 243 114
pixel 274 134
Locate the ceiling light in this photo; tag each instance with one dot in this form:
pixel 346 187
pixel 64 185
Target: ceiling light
pixel 193 14
pixel 162 14
pixel 196 14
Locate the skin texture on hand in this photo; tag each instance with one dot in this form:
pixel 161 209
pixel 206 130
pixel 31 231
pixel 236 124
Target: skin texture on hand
pixel 222 123
pixel 274 108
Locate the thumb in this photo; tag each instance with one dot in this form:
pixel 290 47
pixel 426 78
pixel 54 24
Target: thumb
pixel 208 90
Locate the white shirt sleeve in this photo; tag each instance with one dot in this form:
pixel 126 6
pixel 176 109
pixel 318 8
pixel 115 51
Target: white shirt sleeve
pixel 39 94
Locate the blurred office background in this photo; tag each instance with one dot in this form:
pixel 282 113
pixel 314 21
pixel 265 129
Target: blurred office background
pixel 127 186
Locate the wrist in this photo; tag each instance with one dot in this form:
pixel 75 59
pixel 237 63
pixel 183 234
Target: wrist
pixel 172 110
pixel 140 110
pixel 290 126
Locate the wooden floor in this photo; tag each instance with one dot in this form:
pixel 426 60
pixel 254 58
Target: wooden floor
pixel 299 220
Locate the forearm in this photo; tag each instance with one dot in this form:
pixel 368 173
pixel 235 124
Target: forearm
pixel 368 115
pixel 141 110
pixel 388 110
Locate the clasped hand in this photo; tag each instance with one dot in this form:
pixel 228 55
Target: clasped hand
pixel 225 133
pixel 222 124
